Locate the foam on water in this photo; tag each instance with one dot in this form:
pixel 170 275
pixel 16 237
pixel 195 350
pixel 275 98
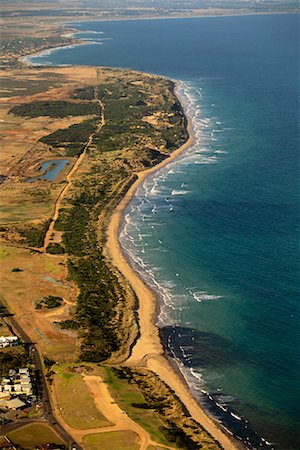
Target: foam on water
pixel 154 196
pixel 204 296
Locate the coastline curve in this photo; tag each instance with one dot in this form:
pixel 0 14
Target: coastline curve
pixel 148 350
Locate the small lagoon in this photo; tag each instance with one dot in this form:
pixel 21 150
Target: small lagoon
pixel 49 170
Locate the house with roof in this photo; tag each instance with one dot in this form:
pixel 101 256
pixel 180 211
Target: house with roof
pixel 19 383
pixel 7 388
pixel 17 387
pixel 4 395
pixel 25 380
pixel 8 341
pixel 27 388
pixel 15 403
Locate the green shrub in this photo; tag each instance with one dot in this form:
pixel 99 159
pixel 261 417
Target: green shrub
pixel 142 405
pixel 48 362
pixel 86 93
pixel 72 138
pixel 35 235
pixel 55 249
pixel 49 302
pixel 68 324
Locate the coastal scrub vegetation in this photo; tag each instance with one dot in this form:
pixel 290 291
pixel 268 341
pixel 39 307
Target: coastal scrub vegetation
pixel 73 139
pixel 34 234
pixel 143 124
pixel 163 416
pixel 85 93
pixel 133 118
pixel 68 324
pixel 56 108
pixel 16 269
pixel 49 302
pixel 55 249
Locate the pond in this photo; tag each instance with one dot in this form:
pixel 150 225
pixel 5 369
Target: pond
pixel 49 170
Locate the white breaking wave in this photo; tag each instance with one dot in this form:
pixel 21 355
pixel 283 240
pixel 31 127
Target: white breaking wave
pixel 236 416
pixel 207 160
pixel 204 296
pixel 179 192
pixel 89 32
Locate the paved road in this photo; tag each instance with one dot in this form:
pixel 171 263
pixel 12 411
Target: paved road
pixel 43 388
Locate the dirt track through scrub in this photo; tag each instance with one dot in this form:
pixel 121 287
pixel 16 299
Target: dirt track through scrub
pixel 69 177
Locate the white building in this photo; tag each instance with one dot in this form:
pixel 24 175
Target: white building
pixel 25 380
pixel 17 388
pixel 7 387
pixel 15 403
pixel 4 395
pixel 8 341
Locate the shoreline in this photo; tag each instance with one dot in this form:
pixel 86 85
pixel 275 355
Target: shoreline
pixel 196 16
pixel 148 349
pixel 26 59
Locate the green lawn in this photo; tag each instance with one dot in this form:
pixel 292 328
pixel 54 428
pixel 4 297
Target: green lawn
pixel 126 393
pixel 76 403
pixel 115 440
pixel 29 436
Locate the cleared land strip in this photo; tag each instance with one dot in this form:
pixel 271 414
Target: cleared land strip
pixel 62 194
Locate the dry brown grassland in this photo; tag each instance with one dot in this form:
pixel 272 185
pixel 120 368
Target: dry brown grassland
pixel 24 204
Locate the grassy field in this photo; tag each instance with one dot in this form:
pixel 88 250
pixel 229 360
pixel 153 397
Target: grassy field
pixel 153 447
pixel 40 276
pixel 115 440
pixel 29 436
pixel 4 330
pixel 126 394
pixel 75 402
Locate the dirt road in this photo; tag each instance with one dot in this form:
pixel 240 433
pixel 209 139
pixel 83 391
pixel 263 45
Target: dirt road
pixel 59 200
pixel 111 410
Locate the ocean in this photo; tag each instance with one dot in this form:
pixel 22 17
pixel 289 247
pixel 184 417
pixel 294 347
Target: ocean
pixel 216 232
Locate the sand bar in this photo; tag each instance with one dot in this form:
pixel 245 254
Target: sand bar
pixel 148 350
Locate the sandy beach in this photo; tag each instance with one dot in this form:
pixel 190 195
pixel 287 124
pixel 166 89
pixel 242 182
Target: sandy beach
pixel 148 350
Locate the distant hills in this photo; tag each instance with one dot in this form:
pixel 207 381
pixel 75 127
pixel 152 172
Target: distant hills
pixel 140 8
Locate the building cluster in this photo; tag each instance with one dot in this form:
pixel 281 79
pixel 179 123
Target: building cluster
pixel 8 341
pixel 16 389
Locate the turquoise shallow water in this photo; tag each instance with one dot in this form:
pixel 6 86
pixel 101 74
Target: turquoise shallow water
pixel 216 232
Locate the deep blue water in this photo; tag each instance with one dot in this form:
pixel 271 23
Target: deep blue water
pixel 217 232
pixel 47 173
